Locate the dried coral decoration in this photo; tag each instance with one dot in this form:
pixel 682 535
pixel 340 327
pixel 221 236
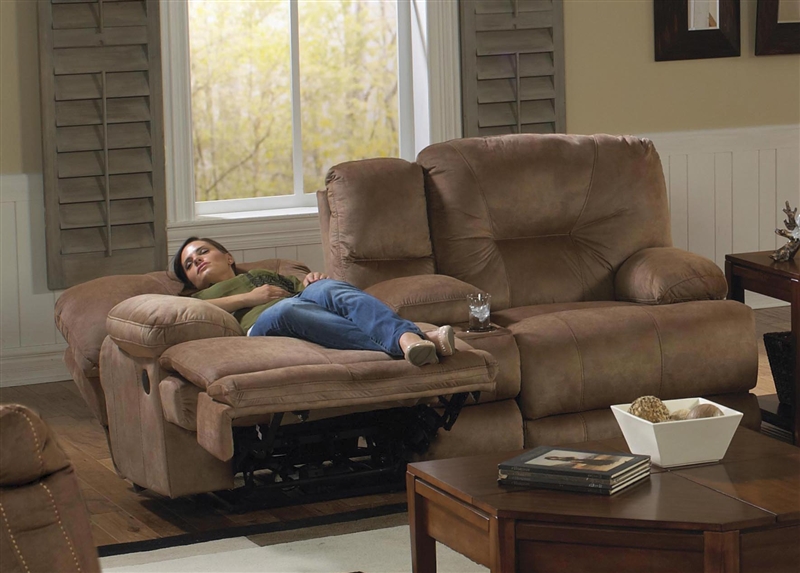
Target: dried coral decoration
pixel 792 232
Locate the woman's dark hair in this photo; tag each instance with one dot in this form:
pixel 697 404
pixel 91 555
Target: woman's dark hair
pixel 177 263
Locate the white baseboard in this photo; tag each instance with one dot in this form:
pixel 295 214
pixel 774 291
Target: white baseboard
pixel 33 365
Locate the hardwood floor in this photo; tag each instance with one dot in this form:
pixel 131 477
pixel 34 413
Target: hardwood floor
pixel 120 515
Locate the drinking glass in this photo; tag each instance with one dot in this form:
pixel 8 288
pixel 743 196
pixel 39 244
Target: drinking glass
pixel 479 310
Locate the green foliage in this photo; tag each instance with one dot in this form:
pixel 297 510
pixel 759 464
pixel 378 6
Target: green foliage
pixel 242 100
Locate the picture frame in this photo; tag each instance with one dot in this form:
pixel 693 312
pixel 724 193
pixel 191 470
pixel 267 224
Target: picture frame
pixel 675 41
pixel 772 36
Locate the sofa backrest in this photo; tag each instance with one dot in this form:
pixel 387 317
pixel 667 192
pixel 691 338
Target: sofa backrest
pixel 374 221
pixel 536 219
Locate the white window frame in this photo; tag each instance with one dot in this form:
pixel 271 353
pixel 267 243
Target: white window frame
pixel 429 100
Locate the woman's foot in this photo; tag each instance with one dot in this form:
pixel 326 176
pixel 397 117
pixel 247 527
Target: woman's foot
pixel 417 350
pixel 444 338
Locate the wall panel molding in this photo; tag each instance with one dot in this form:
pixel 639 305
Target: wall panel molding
pixel 33 365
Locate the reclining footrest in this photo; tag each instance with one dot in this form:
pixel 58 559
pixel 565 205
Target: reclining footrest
pixel 244 381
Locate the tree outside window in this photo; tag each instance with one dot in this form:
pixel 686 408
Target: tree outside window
pixel 242 97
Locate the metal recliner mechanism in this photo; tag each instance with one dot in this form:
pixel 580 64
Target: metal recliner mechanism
pixel 355 454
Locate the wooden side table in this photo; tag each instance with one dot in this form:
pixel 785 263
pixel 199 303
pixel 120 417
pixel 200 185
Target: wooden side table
pixel 757 272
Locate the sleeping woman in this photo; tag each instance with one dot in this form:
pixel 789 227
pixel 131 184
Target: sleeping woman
pixel 319 309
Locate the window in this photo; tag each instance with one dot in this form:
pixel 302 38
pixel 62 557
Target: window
pixel 281 90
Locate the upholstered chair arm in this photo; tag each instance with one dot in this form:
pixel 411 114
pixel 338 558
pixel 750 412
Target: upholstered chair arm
pixel 146 325
pixel 666 275
pixel 438 299
pixel 80 311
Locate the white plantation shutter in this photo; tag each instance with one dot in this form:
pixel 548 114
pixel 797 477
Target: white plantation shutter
pixel 512 60
pixel 102 125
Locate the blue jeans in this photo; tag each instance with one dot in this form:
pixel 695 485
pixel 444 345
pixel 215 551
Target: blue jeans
pixel 337 315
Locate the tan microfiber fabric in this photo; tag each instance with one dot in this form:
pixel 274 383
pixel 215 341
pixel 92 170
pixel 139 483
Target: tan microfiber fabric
pixel 378 221
pixel 480 429
pixel 81 311
pixel 89 386
pixel 499 343
pixel 179 402
pixel 148 450
pixel 668 275
pixel 536 219
pixel 146 325
pixel 580 360
pixel 601 424
pixel 276 374
pixel 324 211
pixel 510 316
pixel 44 525
pixel 437 299
pixel 28 450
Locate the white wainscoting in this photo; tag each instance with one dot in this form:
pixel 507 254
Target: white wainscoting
pixel 726 189
pixel 31 348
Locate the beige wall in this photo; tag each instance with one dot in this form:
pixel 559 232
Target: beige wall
pixel 20 127
pixel 614 85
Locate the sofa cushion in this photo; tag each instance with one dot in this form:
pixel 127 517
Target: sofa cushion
pixel 378 226
pixel 536 219
pixel 580 360
pixel 510 316
pixel 146 325
pixel 668 275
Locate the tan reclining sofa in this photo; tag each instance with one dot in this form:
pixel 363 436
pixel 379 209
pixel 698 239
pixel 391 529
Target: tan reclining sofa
pixel 569 234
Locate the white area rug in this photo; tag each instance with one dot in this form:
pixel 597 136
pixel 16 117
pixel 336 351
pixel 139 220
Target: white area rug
pixel 378 551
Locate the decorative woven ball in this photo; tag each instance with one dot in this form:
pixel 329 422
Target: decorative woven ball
pixel 704 411
pixel 649 408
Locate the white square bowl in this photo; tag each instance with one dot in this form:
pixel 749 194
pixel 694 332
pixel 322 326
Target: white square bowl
pixel 679 442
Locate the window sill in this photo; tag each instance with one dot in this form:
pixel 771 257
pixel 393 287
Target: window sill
pixel 265 214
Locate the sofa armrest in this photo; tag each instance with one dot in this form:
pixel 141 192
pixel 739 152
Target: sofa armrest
pixel 439 299
pixel 666 275
pixel 81 311
pixel 146 325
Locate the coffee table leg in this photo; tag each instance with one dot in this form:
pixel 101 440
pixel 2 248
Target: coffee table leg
pixel 721 552
pixel 502 545
pixel 796 336
pixel 423 546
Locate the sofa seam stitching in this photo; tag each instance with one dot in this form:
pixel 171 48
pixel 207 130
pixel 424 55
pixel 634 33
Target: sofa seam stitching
pixel 588 187
pixel 165 326
pixel 13 540
pixel 580 357
pixel 660 349
pixel 35 438
pixel 294 383
pixel 488 213
pixel 583 209
pixel 580 266
pixel 61 526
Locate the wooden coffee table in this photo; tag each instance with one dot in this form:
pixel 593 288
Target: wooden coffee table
pixel 739 515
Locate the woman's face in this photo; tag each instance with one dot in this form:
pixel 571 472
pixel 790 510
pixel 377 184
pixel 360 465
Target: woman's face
pixel 206 265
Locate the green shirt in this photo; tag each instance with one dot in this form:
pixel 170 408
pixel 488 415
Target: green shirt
pixel 244 283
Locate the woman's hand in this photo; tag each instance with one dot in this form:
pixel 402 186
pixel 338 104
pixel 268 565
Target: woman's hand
pixel 314 277
pixel 265 294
